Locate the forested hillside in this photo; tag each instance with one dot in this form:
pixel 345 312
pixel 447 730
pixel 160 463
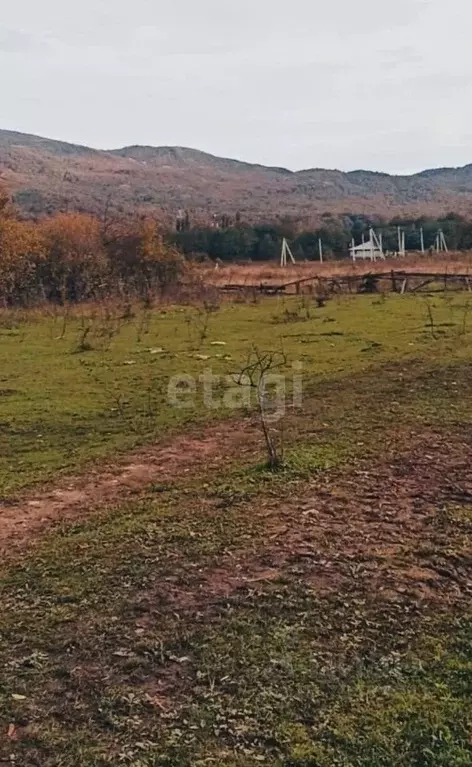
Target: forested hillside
pixel 48 176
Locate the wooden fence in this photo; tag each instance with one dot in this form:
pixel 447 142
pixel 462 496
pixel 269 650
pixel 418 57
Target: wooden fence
pixel 372 282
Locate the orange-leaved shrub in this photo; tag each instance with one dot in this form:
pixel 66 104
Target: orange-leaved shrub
pixel 76 257
pixel 138 256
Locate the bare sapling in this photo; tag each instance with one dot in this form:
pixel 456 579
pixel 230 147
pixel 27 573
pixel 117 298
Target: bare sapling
pixel 256 374
pixel 86 326
pixel 431 322
pixel 138 413
pixel 465 317
pixel 144 318
pixel 198 323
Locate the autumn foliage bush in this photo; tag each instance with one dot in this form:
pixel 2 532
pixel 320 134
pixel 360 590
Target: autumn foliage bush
pixel 77 257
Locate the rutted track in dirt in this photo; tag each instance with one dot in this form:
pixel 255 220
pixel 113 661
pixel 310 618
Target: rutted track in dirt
pixel 163 464
pixel 376 526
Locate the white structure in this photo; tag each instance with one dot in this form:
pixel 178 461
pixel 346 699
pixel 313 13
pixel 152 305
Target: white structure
pixel 440 245
pixel 401 242
pixel 286 252
pixel 372 249
pixel 367 250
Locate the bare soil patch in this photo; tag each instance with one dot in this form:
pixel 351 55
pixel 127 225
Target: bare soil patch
pixel 161 464
pixel 383 529
pixel 374 526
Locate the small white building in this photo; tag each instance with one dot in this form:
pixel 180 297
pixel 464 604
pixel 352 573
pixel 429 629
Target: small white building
pixel 370 250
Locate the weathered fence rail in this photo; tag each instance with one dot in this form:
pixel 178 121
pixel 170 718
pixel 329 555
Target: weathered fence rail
pixel 396 281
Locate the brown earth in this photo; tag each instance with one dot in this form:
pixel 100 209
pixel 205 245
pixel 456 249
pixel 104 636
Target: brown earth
pixel 371 525
pixel 164 463
pixel 381 528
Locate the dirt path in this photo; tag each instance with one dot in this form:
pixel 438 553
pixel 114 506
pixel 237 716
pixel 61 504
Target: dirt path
pixel 377 526
pixel 161 464
pixel 386 529
pixel 387 535
pixel 376 533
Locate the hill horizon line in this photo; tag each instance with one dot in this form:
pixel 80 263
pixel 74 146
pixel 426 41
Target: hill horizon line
pixel 203 153
pixel 47 175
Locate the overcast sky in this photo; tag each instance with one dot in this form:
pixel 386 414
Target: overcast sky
pixel 377 84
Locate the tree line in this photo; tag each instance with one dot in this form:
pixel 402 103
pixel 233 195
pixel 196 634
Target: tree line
pixel 234 240
pixel 77 256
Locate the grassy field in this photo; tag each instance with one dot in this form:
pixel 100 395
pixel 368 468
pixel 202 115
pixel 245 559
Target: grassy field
pixel 84 387
pixel 226 615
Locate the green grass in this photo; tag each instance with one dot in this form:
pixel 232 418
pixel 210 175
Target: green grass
pixel 143 636
pixel 121 654
pixel 60 407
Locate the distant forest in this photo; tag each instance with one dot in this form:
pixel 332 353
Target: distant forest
pixel 233 240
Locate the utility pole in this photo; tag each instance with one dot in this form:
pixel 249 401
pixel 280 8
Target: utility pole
pixel 376 242
pixel 283 255
pixel 440 244
pixel 320 246
pixel 443 241
pixel 286 251
pixel 401 241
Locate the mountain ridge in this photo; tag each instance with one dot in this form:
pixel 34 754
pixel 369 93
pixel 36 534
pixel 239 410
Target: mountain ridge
pixel 47 175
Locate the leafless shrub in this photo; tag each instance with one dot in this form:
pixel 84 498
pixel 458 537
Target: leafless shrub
pixel 430 316
pixel 255 374
pixel 140 417
pixel 198 323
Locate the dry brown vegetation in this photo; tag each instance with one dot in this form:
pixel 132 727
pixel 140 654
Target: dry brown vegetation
pixel 273 274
